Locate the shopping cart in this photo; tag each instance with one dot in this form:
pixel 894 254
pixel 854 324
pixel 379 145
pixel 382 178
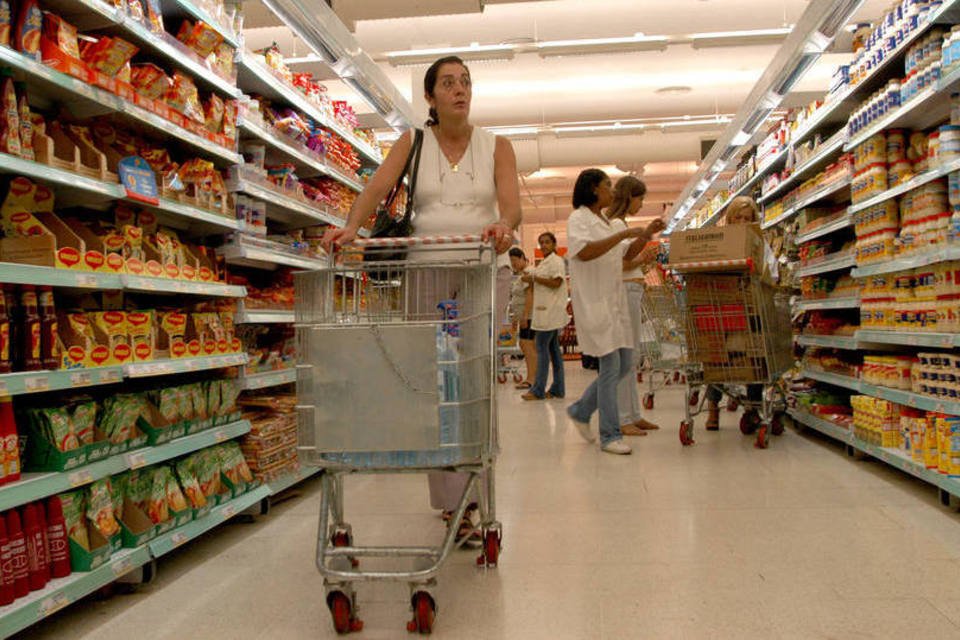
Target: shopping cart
pixel 508 363
pixel 662 346
pixel 738 331
pixel 396 375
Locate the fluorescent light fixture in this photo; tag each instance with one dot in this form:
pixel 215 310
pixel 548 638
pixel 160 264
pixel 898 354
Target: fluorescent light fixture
pixel 380 106
pixel 739 38
pixel 740 139
pixel 718 166
pixel 805 62
pixel 515 131
pixel 816 43
pixel 307 59
pixel 473 52
pixel 590 46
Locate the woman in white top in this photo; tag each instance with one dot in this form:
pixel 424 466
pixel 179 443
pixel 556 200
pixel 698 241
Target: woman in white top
pixel 467 184
pixel 627 199
pixel 599 302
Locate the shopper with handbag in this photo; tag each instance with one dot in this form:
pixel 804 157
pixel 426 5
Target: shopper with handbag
pixel 466 183
pixel 597 252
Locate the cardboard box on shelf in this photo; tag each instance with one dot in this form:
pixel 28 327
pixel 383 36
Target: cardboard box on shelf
pixel 110 328
pixel 141 329
pixel 172 328
pixel 734 242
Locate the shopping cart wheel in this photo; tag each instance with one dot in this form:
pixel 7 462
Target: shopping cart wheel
pixel 749 423
pixel 501 378
pixel 648 401
pixel 694 397
pixel 341 608
pixel 732 405
pixel 344 539
pixel 424 611
pixel 686 433
pixel 491 549
pixel 777 425
pixel 517 378
pixel 762 440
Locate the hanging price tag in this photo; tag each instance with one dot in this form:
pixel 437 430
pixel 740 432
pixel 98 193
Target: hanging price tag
pixel 53 604
pixel 136 460
pixel 36 383
pixel 121 567
pixel 80 478
pixel 81 379
pixel 178 538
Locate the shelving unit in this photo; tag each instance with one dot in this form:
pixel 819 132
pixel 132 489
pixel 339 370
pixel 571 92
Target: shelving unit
pixel 820 194
pixel 266 379
pixel 14 384
pixel 842 222
pixel 827 264
pixel 851 302
pixel 836 342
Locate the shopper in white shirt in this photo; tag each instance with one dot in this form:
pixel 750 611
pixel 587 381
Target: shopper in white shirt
pixel 599 302
pixel 549 316
pixel 627 199
pixel 521 311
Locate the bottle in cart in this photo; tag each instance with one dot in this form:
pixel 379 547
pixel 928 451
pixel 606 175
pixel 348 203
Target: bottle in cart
pixel 49 336
pixel 30 337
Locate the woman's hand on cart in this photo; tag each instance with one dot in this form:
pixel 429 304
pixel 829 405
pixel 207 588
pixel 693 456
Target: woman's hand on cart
pixel 500 234
pixel 338 237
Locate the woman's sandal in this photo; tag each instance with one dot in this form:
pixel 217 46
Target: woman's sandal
pixel 466 528
pixel 523 385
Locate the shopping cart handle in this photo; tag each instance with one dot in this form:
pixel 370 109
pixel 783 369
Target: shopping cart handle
pixel 412 241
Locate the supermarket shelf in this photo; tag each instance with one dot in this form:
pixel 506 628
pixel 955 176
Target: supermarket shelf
pixel 63 592
pixel 833 378
pixel 193 213
pixel 218 515
pixel 909 338
pixel 918 259
pixel 823 426
pixel 910 399
pixel 183 365
pixel 909 185
pixel 827 151
pixel 267 379
pixel 836 342
pixel 254 76
pixel 747 186
pixel 178 8
pixel 900 460
pixel 282 484
pixel 301 156
pixel 13 273
pixel 36 486
pixel 851 302
pixel 264 316
pixel 821 193
pixel 14 384
pixel 169 285
pixel 187 444
pixel 266 259
pixel 841 223
pixel 286 208
pixel 827 265
pixel 924 110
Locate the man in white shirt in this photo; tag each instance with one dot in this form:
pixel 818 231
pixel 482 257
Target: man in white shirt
pixel 549 317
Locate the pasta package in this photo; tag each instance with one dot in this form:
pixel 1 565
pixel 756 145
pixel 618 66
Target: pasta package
pixel 183 96
pixel 100 508
pixel 157 509
pixel 191 487
pixel 73 515
pixel 200 37
pixel 175 498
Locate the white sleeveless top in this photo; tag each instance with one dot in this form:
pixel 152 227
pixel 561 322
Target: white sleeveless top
pixel 449 202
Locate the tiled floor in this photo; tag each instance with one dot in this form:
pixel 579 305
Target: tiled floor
pixel 719 540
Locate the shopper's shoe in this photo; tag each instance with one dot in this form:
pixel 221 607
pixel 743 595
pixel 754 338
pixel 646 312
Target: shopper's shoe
pixel 646 425
pixel 618 447
pixel 713 418
pixel 632 430
pixel 530 396
pixel 554 396
pixel 584 429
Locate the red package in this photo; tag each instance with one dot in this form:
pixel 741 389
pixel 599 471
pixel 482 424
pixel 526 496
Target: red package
pixel 149 80
pixel 183 96
pixel 200 37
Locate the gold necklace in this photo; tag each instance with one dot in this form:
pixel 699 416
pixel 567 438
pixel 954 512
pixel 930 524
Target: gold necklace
pixel 454 165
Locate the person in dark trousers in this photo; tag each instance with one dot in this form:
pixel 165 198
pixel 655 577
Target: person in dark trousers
pixel 549 317
pixel 521 310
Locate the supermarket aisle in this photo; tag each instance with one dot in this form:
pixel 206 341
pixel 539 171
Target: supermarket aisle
pixel 715 541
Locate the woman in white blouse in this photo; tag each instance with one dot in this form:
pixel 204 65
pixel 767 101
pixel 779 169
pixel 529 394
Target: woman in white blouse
pixel 599 302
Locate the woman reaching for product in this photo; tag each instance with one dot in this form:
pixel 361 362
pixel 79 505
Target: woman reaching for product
pixel 599 302
pixel 627 199
pixel 467 184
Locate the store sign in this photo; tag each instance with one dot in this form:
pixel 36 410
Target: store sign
pixel 138 179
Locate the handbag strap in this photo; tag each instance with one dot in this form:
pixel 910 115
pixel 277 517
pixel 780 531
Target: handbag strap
pixel 412 156
pixel 418 145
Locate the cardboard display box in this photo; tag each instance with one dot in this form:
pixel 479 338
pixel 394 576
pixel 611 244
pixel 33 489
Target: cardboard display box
pixel 734 242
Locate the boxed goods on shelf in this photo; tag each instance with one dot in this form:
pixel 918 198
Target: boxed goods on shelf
pixel 734 242
pixel 820 287
pixel 921 299
pixel 840 362
pixel 888 370
pixel 271 446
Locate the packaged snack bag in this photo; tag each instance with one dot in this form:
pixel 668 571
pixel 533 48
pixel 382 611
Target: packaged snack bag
pixel 229 392
pixel 26 122
pixel 135 9
pixel 199 400
pixel 84 420
pixel 184 402
pixel 61 33
pixel 26 35
pixel 157 509
pixel 150 81
pixel 9 115
pixel 213 113
pixel 200 37
pixel 230 119
pixel 100 508
pixel 175 498
pixel 6 22
pixel 154 16
pixel 55 426
pixel 108 55
pixel 191 487
pixel 73 515
pixel 213 397
pixel 183 96
pixel 223 60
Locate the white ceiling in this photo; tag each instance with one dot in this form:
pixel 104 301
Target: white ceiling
pixel 529 90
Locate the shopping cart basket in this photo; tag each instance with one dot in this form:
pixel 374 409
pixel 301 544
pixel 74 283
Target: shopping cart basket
pixel 396 375
pixel 738 331
pixel 662 346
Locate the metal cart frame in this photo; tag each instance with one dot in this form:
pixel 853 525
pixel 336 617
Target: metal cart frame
pixel 412 345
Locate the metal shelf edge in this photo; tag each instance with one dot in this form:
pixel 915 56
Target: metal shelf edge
pixel 291 479
pixel 267 379
pixel 183 365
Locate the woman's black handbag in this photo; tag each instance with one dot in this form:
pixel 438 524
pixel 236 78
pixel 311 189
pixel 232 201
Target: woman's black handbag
pixel 386 226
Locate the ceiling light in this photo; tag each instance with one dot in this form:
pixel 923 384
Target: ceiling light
pixel 474 52
pixel 674 90
pixel 739 38
pixel 590 46
pixel 309 58
pixel 740 139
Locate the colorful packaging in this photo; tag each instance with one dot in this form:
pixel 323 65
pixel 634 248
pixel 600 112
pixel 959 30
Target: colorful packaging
pixel 200 37
pixel 62 34
pixel 191 487
pixel 100 508
pixel 6 22
pixel 108 55
pixel 150 81
pixel 213 113
pixel 183 96
pixel 26 36
pixel 73 515
pixel 9 117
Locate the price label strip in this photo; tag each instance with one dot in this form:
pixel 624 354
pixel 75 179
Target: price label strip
pixel 80 478
pixel 54 603
pixel 178 538
pixel 113 375
pixel 3 389
pixel 86 281
pixel 81 379
pixel 220 436
pixel 121 567
pixel 37 383
pixel 136 460
pixel 229 511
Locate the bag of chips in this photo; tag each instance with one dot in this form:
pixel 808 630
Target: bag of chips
pixel 188 481
pixel 100 508
pixel 157 509
pixel 73 510
pixel 175 498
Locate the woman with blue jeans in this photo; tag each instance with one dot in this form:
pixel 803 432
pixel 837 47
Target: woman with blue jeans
pixel 599 302
pixel 548 318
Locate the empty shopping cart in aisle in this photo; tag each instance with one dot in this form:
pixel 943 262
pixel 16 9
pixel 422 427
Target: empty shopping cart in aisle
pixel 662 344
pixel 738 331
pixel 396 375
